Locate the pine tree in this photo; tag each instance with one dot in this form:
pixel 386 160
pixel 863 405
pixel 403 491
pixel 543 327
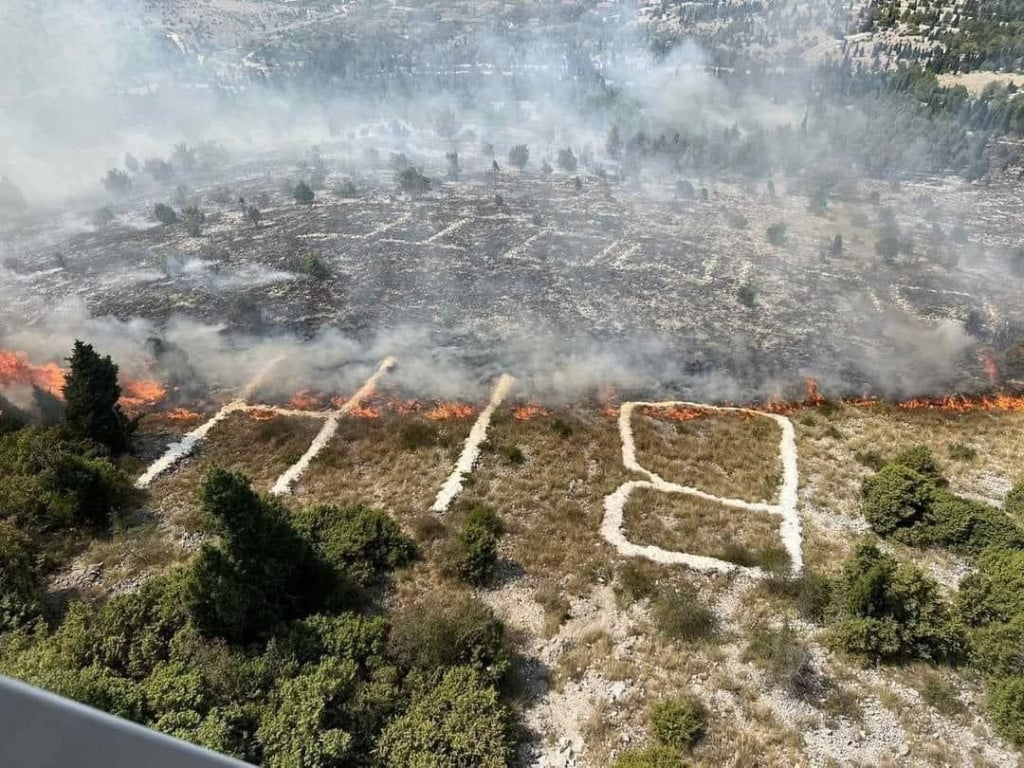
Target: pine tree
pixel 91 393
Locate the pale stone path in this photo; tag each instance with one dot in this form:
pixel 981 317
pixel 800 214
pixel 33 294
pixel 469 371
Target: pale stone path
pixel 284 483
pixel 615 502
pixel 471 449
pixel 183 448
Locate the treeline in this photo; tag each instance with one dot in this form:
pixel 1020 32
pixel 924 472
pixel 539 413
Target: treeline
pixel 972 35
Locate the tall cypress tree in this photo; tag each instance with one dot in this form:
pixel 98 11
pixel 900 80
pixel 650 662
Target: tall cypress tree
pixel 91 393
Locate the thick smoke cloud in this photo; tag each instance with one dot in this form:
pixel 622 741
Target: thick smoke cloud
pixel 92 79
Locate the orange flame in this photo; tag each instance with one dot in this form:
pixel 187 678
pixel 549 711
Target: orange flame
pixel 261 414
pixel 812 394
pixel 674 413
pixel 364 412
pixel 16 369
pixel 305 400
pixel 443 411
pixel 405 407
pixel 182 414
pixel 529 410
pixel 142 392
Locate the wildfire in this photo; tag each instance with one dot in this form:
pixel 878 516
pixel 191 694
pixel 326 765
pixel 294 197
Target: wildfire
pixel 529 410
pixel 305 400
pixel 364 412
pixel 674 413
pixel 405 407
pixel 182 414
pixel 141 392
pixel 444 411
pixel 261 414
pixel 16 369
pixel 812 395
pixel 963 403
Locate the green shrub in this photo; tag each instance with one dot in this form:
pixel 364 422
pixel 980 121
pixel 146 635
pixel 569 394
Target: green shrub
pixel 968 526
pixel 890 611
pixel 896 497
pixel 1006 708
pixel 262 572
pixel 678 723
pixel 441 633
pixel 483 516
pixel 681 616
pixel 172 687
pixel 1013 505
pixel 651 757
pixel 302 727
pixel 921 459
pixel 362 543
pixel 473 555
pixel 48 482
pixel 20 584
pixel 458 723
pixel 997 648
pixel 995 592
pixel 313 266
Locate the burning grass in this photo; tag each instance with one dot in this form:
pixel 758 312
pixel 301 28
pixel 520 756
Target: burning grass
pixel 681 523
pixel 726 454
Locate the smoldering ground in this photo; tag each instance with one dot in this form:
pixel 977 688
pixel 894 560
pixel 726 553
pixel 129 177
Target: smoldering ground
pixel 627 283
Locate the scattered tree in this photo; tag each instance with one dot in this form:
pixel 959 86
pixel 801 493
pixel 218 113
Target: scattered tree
pixel 117 182
pixel 453 165
pixel 412 181
pixel 302 193
pixel 164 214
pixel 252 213
pixel 776 234
pixel 566 160
pixel 91 392
pixel 519 156
pixel 194 219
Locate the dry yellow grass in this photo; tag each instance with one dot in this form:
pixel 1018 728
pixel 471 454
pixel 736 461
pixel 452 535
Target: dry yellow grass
pixel 552 502
pixel 369 461
pixel 725 454
pixel 682 523
pixel 260 449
